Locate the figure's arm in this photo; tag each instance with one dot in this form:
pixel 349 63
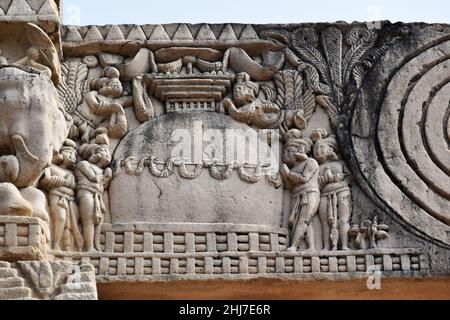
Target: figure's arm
pixel 228 104
pixel 107 176
pixel 49 181
pixel 103 108
pixel 125 101
pixel 85 168
pixel 292 178
pixel 238 115
pixel 46 179
pixel 297 178
pixel 322 182
pixel 91 99
pixel 22 62
pixel 307 173
pixel 327 176
pixel 70 182
pixel 284 171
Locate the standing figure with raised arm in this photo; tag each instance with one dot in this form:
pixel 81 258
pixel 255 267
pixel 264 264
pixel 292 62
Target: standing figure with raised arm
pixel 300 175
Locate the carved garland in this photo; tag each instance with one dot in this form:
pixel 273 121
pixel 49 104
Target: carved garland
pixel 135 167
pixel 221 175
pixel 184 173
pixel 251 178
pixel 167 171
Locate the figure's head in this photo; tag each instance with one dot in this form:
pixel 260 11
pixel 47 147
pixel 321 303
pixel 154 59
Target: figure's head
pixel 111 72
pixel 97 153
pixel 296 148
pixel 324 146
pixel 110 85
pixel 68 154
pixel 111 88
pixel 101 156
pixel 244 91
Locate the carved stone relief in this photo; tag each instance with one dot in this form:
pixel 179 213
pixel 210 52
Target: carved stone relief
pixel 206 150
pixel 407 139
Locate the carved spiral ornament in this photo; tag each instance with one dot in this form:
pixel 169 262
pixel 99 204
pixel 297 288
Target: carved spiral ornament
pixel 400 132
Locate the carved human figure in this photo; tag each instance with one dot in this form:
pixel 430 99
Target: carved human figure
pixel 300 175
pixel 59 180
pixel 335 204
pixel 264 114
pixel 93 177
pixel 104 102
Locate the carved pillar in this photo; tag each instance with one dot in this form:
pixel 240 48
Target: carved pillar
pixel 34 128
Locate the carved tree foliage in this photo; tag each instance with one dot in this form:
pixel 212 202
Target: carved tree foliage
pixel 74 85
pixel 336 61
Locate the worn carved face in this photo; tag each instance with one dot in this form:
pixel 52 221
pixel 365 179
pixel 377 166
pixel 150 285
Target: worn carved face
pixel 111 88
pixel 322 152
pixel 243 94
pixel 291 155
pixel 301 154
pixel 102 157
pixel 69 157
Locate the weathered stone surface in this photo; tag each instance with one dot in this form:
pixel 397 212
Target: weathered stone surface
pixel 219 152
pixel 29 110
pixel 412 177
pixel 203 199
pixel 62 280
pixel 23 238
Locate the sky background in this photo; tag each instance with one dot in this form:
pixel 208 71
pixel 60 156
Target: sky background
pixel 85 12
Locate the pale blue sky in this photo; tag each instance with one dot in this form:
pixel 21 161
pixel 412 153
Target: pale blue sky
pixel 85 12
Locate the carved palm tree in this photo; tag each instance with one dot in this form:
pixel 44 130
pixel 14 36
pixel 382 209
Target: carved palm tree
pixel 335 62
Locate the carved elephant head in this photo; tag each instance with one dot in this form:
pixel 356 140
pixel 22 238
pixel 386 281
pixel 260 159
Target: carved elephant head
pixel 32 125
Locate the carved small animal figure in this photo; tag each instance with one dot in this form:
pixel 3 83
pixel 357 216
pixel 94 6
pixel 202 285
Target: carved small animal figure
pixel 302 181
pixel 93 177
pixel 368 231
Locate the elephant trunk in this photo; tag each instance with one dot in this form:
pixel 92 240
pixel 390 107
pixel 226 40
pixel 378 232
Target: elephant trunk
pixel 30 166
pixel 143 107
